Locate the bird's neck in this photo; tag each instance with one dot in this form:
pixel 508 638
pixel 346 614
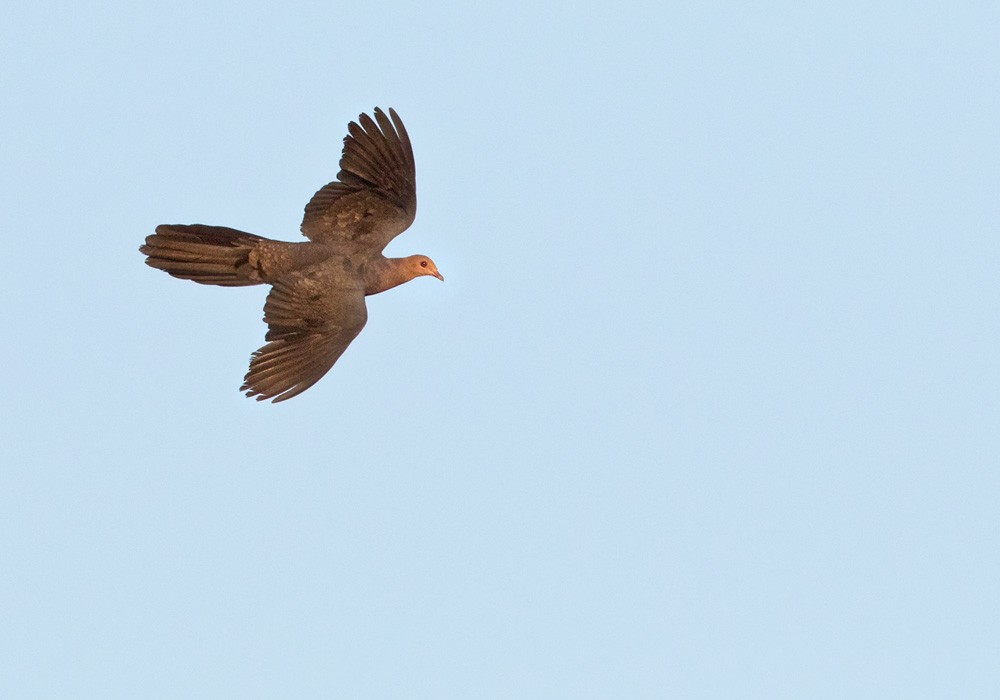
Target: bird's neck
pixel 386 273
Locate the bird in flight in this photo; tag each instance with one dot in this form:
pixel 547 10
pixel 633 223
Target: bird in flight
pixel 316 305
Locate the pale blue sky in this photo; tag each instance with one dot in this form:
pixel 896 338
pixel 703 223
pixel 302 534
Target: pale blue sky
pixel 706 408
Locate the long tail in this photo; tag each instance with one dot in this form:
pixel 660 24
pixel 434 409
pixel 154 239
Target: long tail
pixel 205 254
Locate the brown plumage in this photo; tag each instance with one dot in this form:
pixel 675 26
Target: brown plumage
pixel 316 306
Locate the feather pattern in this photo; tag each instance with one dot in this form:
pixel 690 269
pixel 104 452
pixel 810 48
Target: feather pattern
pixel 374 197
pixel 312 316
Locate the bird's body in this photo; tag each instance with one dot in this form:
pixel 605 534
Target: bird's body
pixel 316 305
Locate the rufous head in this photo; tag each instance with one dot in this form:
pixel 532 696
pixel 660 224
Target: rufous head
pixel 422 265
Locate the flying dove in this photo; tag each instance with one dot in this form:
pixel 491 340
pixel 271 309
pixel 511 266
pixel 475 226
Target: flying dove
pixel 316 305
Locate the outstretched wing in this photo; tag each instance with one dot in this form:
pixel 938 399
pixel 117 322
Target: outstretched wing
pixel 374 198
pixel 312 318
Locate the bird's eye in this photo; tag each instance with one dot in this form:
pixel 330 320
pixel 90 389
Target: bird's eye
pixel 423 263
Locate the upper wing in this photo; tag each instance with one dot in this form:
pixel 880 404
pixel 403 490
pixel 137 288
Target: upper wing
pixel 374 198
pixel 312 318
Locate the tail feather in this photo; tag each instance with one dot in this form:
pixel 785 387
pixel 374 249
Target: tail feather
pixel 205 254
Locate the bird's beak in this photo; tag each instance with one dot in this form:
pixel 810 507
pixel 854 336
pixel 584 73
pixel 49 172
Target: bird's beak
pixel 439 275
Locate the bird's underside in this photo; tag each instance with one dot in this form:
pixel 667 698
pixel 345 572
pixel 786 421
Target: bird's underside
pixel 316 306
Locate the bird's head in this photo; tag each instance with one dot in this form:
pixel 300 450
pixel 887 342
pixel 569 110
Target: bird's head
pixel 422 265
